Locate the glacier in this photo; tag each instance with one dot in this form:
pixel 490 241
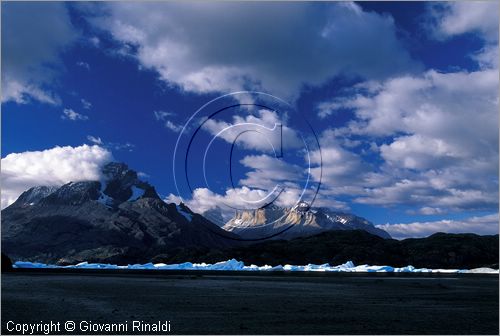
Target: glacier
pixel 235 265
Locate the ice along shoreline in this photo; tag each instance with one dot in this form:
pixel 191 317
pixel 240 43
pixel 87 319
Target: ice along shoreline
pixel 235 265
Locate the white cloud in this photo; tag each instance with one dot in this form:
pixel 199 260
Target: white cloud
pixel 31 48
pixel 265 132
pixel 419 152
pixel 438 135
pixel 115 146
pixel 268 179
pixel 127 146
pixel 267 172
pixel 338 167
pixel 21 92
pixel 95 140
pixel 449 19
pixel 70 114
pixel 429 211
pixel 51 167
pixel 458 17
pixel 163 117
pixel 86 104
pixel 173 127
pixel 204 199
pixel 487 58
pixel 280 60
pixel 84 65
pixel 484 225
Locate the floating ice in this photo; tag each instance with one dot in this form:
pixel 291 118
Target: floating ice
pixel 235 265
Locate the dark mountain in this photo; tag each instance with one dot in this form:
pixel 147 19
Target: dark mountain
pixel 299 221
pixel 441 250
pixel 33 195
pixel 120 218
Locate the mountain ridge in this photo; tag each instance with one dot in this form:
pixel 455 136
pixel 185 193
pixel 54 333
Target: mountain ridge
pixel 122 219
pixel 298 221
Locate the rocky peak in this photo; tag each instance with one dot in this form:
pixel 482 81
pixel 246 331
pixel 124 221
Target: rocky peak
pixel 302 219
pixel 122 184
pixel 33 195
pixel 118 171
pixel 74 193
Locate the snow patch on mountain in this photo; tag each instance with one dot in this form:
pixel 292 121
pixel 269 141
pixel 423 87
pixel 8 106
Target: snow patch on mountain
pixel 186 215
pixel 136 193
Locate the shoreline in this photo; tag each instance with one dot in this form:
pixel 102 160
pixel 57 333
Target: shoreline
pixel 202 273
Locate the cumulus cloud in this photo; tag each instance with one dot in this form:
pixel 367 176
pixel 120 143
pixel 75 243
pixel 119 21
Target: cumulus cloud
pixel 483 225
pixel 204 199
pixel 70 114
pixel 51 167
pixel 265 132
pixel 438 135
pixel 448 19
pixel 31 48
pixel 266 172
pixel 168 39
pixel 336 166
pixel 268 179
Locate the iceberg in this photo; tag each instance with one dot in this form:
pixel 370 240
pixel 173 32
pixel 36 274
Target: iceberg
pixel 235 265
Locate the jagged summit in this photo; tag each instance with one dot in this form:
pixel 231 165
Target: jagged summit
pixel 302 207
pixel 122 184
pixel 300 220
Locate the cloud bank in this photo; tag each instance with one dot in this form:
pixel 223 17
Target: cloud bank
pixel 51 167
pixel 193 46
pixel 483 225
pixel 33 36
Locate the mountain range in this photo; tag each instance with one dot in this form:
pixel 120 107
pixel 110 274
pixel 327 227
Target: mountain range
pixel 298 221
pixel 121 219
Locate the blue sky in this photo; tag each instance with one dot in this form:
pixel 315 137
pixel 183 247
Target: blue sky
pixel 402 97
